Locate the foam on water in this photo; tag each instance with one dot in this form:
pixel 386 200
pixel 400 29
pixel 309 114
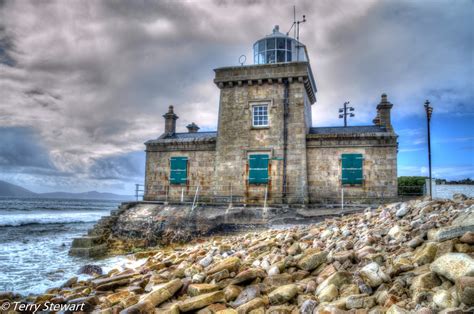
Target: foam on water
pixel 36 237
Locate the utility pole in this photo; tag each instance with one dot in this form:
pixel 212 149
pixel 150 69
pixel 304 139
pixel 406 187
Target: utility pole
pixel 429 111
pixel 346 111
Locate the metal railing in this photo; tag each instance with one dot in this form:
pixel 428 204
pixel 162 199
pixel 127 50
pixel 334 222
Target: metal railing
pixel 273 194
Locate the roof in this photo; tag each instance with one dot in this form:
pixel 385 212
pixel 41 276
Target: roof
pixel 184 137
pixel 348 129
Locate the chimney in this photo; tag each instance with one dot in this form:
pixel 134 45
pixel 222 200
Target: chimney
pixel 170 121
pixel 193 128
pixel 383 114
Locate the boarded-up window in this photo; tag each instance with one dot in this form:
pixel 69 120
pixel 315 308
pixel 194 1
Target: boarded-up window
pixel 352 169
pixel 178 170
pixel 258 169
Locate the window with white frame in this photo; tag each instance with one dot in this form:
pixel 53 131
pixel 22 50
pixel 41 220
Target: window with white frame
pixel 260 115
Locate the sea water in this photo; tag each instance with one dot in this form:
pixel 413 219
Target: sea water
pixel 35 236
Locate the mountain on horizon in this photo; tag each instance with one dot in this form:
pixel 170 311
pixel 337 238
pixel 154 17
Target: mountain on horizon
pixel 12 190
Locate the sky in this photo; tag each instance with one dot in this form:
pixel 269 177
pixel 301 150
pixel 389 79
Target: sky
pixel 83 84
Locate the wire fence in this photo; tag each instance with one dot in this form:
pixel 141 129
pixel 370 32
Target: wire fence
pixel 268 194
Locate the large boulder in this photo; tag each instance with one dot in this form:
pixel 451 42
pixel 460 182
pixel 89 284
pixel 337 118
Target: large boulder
pixel 453 266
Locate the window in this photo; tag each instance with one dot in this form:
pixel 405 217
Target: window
pixel 258 169
pixel 260 115
pixel 352 169
pixel 178 170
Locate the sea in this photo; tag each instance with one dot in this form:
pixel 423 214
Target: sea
pixel 35 236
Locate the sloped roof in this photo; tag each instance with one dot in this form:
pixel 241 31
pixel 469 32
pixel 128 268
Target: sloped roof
pixel 348 129
pixel 184 137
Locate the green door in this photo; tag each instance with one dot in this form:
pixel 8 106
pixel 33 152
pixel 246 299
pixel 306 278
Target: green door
pixel 258 169
pixel 178 170
pixel 352 169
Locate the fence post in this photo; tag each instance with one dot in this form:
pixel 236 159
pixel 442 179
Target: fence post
pixel 182 194
pixel 230 195
pixel 195 198
pixel 342 198
pixel 265 202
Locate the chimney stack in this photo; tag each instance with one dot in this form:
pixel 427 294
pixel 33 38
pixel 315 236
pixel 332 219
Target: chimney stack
pixel 170 121
pixel 193 128
pixel 383 114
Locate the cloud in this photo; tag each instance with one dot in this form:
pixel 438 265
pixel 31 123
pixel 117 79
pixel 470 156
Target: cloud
pixel 94 77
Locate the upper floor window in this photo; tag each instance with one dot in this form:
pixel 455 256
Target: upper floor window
pixel 260 115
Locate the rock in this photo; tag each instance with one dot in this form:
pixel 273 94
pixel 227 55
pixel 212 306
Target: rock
pixel 425 254
pixel 313 260
pixel 426 281
pixel 249 274
pixel 415 242
pixel 115 298
pixel 444 299
pixel 142 307
pixel 231 264
pixel 283 294
pixel 308 307
pixel 454 265
pixel 251 305
pixel 467 237
pixel 402 211
pixel 337 279
pixel 395 309
pixel 360 301
pixel 249 293
pixel 464 223
pixel 395 232
pixel 91 270
pixel 163 292
pixel 459 197
pixel 373 275
pixel 69 283
pixel 206 261
pixel 328 294
pixel 197 289
pixel 231 292
pixel 201 301
pixel 465 290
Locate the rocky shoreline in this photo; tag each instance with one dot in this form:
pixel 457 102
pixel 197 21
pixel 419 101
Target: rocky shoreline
pixel 412 257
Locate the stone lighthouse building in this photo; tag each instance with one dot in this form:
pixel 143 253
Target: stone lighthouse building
pixel 265 147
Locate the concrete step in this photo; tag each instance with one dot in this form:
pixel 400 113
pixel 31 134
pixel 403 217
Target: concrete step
pixel 86 241
pixel 93 251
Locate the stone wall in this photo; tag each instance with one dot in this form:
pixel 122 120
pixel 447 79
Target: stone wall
pixel 325 167
pixel 201 161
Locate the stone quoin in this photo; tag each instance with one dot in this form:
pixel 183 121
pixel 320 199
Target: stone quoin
pixel 265 147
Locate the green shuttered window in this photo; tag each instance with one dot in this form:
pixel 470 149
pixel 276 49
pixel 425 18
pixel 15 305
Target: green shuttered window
pixel 179 170
pixel 258 169
pixel 352 168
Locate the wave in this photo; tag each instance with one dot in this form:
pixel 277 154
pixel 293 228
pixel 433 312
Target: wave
pixel 50 218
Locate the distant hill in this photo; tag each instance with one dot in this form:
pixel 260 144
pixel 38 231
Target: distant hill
pixel 12 190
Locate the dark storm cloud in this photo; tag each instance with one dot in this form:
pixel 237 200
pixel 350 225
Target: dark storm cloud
pixel 20 147
pixel 94 77
pixel 122 167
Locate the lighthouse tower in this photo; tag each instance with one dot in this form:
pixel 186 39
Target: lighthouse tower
pixel 264 116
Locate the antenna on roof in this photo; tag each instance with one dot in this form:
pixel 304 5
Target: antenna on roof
pixel 296 30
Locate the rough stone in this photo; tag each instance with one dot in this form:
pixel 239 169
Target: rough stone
pixel 283 294
pixel 454 265
pixel 201 301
